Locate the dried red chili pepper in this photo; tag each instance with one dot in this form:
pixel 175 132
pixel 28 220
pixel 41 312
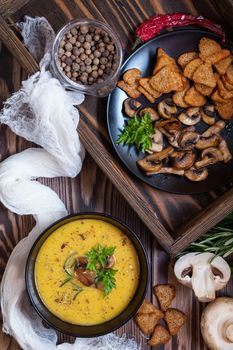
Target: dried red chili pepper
pixel 154 25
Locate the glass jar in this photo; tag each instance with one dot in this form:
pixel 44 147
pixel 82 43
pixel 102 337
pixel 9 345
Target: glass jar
pixel 97 89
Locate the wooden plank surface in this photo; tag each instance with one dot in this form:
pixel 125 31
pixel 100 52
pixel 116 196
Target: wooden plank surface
pixel 91 190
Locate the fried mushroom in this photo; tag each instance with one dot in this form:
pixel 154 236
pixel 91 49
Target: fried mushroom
pixel 188 139
pixel 206 142
pixel 157 142
pixel 131 106
pixel 153 114
pixel 167 108
pixel 167 170
pixel 182 160
pixel 208 114
pixel 191 116
pixel 209 156
pixel 225 151
pixel 194 174
pixel 153 162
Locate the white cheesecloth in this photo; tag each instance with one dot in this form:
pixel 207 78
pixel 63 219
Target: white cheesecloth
pixel 42 112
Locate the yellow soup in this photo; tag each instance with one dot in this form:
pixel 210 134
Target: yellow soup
pixel 89 307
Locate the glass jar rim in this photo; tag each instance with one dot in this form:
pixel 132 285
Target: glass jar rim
pixel 70 83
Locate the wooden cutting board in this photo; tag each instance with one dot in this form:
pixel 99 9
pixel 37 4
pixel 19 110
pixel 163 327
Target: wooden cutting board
pixel 175 220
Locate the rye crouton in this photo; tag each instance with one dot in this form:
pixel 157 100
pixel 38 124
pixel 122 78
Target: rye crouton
pixel 203 89
pixel 208 47
pixel 144 82
pixel 229 74
pixel 218 56
pixel 147 307
pixel 131 76
pixel 147 322
pixel 191 67
pixel 223 65
pixel 187 57
pixel 216 97
pixel 225 110
pixel 178 96
pixel 131 90
pixel 148 96
pixel 226 94
pixel 165 293
pixel 167 79
pixel 227 85
pixel 194 98
pixel 163 59
pixel 175 319
pixel 204 75
pixel 159 336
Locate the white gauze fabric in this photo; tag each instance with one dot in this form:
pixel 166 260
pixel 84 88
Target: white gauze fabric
pixel 42 112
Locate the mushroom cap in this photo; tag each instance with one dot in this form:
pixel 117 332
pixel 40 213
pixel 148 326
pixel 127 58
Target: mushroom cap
pixel 131 106
pixel 208 114
pixel 217 324
pixel 214 129
pixel 194 174
pixel 204 272
pixel 182 159
pixel 209 156
pixel 191 116
pixel 207 141
pixel 188 139
pixel 157 142
pixel 153 114
pixel 167 108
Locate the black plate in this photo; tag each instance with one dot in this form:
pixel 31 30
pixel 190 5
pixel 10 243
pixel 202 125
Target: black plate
pixel 174 43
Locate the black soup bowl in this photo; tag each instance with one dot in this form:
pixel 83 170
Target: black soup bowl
pixel 92 330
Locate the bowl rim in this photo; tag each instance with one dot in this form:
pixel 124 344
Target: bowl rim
pixel 92 330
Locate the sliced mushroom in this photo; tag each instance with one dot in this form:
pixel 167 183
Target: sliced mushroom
pixel 214 129
pixel 153 114
pixel 225 151
pixel 188 139
pixel 206 142
pixel 157 142
pixel 209 156
pixel 208 114
pixel 86 277
pixel 169 127
pixel 131 106
pixel 191 116
pixel 167 108
pixel 167 170
pixel 110 262
pixel 194 174
pixel 153 162
pixel 182 160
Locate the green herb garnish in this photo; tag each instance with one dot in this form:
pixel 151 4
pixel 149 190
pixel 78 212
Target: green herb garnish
pixel 137 131
pixel 218 240
pixel 97 261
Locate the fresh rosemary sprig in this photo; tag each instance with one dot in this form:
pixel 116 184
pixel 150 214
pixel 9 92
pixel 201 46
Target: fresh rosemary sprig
pixel 218 240
pixel 137 131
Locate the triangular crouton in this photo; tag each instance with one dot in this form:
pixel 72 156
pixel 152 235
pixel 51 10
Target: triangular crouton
pixel 229 74
pixel 163 59
pixel 222 65
pixel 159 336
pixel 208 47
pixel 204 75
pixel 227 85
pixel 175 319
pixel 144 82
pixel 178 96
pixel 131 90
pixel 191 67
pixel 194 98
pixel 165 293
pixel 186 58
pixel 216 97
pixel 131 76
pixel 225 110
pixel 218 56
pixel 147 322
pixel 226 94
pixel 203 89
pixel 167 79
pixel 147 307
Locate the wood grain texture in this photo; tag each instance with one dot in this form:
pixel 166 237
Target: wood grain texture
pixel 91 190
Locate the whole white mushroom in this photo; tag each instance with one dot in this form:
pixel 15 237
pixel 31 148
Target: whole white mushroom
pixel 204 272
pixel 217 324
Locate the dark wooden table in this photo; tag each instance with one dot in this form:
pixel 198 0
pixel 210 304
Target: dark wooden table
pixel 91 190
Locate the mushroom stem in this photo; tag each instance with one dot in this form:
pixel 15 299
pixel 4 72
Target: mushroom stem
pixel 203 284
